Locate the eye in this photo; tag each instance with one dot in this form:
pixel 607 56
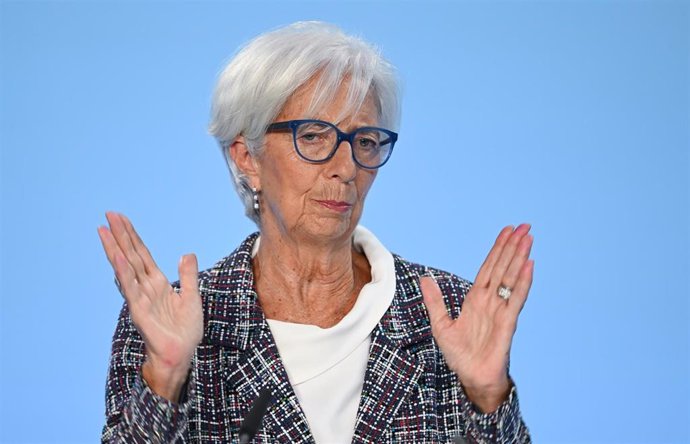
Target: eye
pixel 313 133
pixel 309 137
pixel 367 141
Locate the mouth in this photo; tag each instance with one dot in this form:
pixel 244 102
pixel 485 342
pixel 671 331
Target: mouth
pixel 335 205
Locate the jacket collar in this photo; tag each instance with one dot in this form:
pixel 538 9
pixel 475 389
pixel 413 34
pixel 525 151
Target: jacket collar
pixel 234 316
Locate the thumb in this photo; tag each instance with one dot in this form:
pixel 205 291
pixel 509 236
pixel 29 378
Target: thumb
pixel 434 303
pixel 189 272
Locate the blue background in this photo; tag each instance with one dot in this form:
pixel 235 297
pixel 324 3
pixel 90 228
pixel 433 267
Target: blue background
pixel 572 116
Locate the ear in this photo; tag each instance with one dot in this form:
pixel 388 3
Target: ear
pixel 244 160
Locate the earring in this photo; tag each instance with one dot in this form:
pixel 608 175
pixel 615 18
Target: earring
pixel 255 193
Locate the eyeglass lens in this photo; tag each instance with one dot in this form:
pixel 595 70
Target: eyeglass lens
pixel 316 141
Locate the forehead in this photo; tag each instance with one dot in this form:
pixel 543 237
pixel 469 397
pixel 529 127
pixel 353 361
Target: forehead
pixel 310 101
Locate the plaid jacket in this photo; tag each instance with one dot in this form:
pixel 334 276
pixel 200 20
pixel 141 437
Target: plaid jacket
pixel 409 394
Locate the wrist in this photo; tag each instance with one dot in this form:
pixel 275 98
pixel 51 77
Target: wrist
pixel 489 397
pixel 165 381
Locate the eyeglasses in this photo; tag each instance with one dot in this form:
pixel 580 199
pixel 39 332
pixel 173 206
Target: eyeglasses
pixel 317 141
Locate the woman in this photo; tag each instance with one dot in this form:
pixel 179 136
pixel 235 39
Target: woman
pixel 354 343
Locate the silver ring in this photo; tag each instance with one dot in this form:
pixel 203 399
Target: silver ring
pixel 504 292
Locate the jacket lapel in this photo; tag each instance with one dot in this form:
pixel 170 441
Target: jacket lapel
pixel 391 375
pixel 236 322
pixel 396 362
pixel 258 367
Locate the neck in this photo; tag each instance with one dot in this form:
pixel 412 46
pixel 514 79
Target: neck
pixel 308 283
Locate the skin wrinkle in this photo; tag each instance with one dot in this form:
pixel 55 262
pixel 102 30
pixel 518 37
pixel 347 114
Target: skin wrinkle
pixel 306 268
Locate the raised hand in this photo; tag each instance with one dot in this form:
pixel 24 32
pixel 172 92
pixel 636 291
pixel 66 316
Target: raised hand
pixel 476 345
pixel 170 323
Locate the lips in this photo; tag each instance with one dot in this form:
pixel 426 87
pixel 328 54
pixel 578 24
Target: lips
pixel 336 205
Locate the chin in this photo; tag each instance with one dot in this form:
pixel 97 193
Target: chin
pixel 331 228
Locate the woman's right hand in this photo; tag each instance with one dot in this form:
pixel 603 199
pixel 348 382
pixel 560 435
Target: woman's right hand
pixel 170 323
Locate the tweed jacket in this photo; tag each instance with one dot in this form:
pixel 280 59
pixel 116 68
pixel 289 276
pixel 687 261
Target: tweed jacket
pixel 409 394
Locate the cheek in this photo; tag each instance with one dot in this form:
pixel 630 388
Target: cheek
pixel 365 183
pixel 371 176
pixel 283 171
pixel 290 183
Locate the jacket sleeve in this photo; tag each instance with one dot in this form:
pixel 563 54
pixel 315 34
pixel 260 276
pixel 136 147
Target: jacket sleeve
pixel 134 413
pixel 505 425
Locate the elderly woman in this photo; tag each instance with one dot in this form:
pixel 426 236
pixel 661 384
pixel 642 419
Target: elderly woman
pixel 355 344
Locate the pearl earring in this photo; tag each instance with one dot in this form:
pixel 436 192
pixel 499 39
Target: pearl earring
pixel 256 199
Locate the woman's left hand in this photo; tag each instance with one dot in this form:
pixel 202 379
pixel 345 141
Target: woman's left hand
pixel 476 345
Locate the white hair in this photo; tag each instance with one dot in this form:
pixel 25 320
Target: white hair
pixel 253 88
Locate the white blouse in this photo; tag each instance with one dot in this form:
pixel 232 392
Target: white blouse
pixel 326 366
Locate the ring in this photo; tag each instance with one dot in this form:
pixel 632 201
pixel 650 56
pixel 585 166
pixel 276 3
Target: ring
pixel 504 292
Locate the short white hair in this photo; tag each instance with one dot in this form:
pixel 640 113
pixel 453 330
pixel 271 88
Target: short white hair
pixel 254 87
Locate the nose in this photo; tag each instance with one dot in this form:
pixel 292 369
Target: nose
pixel 342 165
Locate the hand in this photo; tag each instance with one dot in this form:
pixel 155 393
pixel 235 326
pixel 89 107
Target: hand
pixel 476 345
pixel 171 324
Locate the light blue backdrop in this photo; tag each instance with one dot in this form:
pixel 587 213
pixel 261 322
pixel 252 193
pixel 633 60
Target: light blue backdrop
pixel 572 116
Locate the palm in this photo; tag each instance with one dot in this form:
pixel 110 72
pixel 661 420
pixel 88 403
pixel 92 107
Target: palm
pixel 476 345
pixel 170 322
pixel 170 325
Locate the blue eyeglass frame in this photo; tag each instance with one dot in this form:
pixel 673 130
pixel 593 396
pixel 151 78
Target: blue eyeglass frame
pixel 342 136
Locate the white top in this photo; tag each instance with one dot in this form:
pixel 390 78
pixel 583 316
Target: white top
pixel 326 366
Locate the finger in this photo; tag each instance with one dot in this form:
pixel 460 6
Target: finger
pixel 434 303
pixel 501 266
pixel 521 254
pixel 111 249
pixel 109 244
pixel 124 273
pixel 519 296
pixel 484 273
pixel 139 246
pixel 117 227
pixel 189 276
